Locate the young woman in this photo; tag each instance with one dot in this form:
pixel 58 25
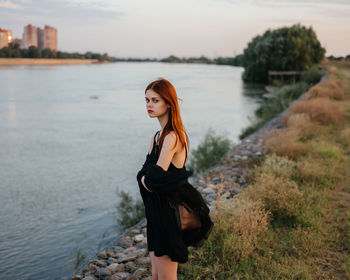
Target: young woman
pixel 162 176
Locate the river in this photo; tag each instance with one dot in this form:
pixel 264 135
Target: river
pixel 72 134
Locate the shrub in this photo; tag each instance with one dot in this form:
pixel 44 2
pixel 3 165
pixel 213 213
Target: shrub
pixel 245 221
pixel 345 137
pixel 317 173
pixel 312 75
pixel 320 109
pixel 279 166
pixel 303 124
pixel 270 108
pixel 325 149
pixel 330 88
pixel 279 195
pixel 209 152
pixel 130 212
pixel 285 143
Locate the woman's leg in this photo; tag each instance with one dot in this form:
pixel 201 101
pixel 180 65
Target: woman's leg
pixel 154 266
pixel 167 269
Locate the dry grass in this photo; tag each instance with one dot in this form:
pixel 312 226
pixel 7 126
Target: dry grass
pixel 277 165
pixel 345 137
pixel 320 109
pixel 279 195
pixel 246 220
pixel 317 173
pixel 285 143
pixel 330 89
pixel 301 122
pixel 292 221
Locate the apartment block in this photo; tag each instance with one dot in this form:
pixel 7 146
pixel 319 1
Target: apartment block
pixel 40 38
pixel 30 36
pixel 5 37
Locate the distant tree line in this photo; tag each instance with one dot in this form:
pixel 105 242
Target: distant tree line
pixel 234 61
pixel 339 58
pixel 14 51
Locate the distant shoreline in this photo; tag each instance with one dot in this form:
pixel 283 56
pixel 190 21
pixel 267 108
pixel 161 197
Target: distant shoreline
pixel 47 61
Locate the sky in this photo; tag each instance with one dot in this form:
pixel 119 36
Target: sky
pixel 184 28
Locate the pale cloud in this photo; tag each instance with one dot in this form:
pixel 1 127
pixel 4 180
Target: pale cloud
pixel 9 5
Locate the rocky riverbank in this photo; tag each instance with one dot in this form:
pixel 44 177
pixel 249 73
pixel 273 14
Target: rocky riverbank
pixel 129 259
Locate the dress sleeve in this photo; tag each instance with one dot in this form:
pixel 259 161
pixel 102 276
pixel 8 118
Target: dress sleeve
pixel 161 181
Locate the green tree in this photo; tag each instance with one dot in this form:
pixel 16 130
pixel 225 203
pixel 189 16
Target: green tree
pixel 288 48
pixel 34 52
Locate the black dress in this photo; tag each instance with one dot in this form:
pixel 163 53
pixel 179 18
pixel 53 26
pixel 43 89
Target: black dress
pixel 162 236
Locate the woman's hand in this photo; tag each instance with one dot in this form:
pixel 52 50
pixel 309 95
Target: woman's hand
pixel 143 183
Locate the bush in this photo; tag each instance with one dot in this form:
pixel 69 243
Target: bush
pixel 325 149
pixel 284 96
pixel 285 143
pixel 245 221
pixel 130 212
pixel 312 75
pixel 317 173
pixel 303 124
pixel 240 226
pixel 209 152
pixel 279 195
pixel 345 137
pixel 320 109
pixel 329 88
pixel 276 165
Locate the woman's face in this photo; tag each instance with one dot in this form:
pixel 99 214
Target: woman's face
pixel 155 104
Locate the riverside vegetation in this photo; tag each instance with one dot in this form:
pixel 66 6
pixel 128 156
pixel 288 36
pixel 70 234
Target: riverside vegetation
pixel 292 221
pixel 283 96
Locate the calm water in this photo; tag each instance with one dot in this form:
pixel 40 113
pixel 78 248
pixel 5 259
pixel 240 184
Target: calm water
pixel 63 153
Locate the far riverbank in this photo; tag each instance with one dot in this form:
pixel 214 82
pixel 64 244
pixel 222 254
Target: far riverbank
pixel 46 61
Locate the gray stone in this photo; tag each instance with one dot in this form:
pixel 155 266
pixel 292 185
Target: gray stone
pixel 138 238
pixel 111 253
pixel 102 254
pixel 112 260
pixel 89 277
pixel 134 232
pixel 118 249
pixel 116 267
pixel 102 272
pixel 144 260
pixel 101 263
pixel 127 258
pixel 208 191
pixel 130 266
pixel 120 276
pixel 126 241
pixel 129 250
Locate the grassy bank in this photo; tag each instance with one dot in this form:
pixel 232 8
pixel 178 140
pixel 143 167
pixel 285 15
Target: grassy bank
pixel 284 96
pixel 293 220
pixel 45 61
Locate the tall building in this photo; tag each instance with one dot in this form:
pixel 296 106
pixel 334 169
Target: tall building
pixel 40 38
pixel 5 37
pixel 30 36
pixel 48 38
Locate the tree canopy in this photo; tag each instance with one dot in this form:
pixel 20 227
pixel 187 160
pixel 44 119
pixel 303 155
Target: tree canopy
pixel 283 49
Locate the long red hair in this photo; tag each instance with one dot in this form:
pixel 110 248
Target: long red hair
pixel 167 91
